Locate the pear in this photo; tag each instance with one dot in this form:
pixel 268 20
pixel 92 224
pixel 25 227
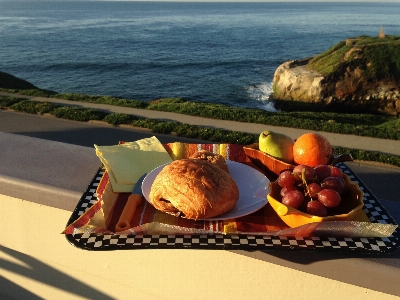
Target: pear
pixel 277 145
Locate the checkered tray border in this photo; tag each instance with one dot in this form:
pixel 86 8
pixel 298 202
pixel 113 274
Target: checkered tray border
pixel 372 207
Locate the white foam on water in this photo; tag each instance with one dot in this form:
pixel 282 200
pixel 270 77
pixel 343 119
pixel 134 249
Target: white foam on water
pixel 260 93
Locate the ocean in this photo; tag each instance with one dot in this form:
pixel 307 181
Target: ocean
pixel 219 52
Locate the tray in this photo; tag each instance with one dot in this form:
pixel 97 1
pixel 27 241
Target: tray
pixel 102 242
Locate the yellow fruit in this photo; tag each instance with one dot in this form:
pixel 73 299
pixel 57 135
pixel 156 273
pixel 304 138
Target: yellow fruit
pixel 277 145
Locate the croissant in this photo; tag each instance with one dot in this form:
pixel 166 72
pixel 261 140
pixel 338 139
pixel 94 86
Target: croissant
pixel 214 158
pixel 194 189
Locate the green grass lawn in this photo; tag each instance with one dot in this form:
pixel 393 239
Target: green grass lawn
pixel 378 58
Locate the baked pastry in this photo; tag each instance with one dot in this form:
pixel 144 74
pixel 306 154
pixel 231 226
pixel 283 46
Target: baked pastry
pixel 214 158
pixel 194 189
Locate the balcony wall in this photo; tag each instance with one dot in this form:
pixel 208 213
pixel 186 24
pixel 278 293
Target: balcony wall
pixel 40 184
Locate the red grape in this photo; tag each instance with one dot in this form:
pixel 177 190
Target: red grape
pixel 336 172
pixel 322 171
pixel 333 183
pixel 313 189
pixel 298 171
pixel 316 208
pixel 286 189
pixel 293 198
pixel 329 198
pixel 286 178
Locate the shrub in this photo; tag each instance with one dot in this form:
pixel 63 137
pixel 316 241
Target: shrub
pixel 119 118
pixel 145 123
pixel 165 127
pixel 45 107
pixel 33 107
pixel 78 114
pixel 364 155
pixel 30 92
pixel 206 133
pixel 110 100
pixel 6 101
pixel 26 106
pixel 186 130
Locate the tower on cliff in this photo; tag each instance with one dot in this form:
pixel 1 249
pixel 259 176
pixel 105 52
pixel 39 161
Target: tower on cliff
pixel 381 33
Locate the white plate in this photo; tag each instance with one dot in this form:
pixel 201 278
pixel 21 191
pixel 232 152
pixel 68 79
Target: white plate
pixel 252 184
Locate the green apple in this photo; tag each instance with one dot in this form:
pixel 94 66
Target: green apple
pixel 277 145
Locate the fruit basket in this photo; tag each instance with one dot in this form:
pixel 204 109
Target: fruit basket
pixel 265 161
pixel 351 204
pixel 268 163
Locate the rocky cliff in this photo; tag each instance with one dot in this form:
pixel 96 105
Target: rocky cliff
pixel 359 75
pixel 8 81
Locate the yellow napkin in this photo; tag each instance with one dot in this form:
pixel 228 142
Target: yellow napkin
pixel 126 163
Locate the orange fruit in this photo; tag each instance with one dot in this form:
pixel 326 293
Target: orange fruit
pixel 312 149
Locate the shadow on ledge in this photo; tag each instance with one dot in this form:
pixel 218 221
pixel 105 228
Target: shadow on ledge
pixel 41 272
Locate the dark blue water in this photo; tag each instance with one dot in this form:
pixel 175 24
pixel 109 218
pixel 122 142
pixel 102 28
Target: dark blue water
pixel 215 52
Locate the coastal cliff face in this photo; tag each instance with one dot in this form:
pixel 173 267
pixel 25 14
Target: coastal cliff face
pixel 293 81
pixel 345 88
pixel 8 81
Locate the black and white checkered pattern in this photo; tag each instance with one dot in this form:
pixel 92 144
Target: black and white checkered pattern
pixel 89 197
pixel 372 207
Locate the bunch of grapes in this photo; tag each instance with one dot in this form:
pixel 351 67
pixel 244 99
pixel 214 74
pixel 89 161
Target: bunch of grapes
pixel 312 190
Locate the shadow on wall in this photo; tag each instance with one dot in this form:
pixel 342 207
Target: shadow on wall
pixel 41 272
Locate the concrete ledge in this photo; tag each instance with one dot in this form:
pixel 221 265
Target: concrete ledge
pixel 39 193
pixel 45 172
pixel 37 262
pixel 55 175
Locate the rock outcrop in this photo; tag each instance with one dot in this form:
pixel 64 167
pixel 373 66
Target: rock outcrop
pixel 348 87
pixel 8 81
pixel 293 81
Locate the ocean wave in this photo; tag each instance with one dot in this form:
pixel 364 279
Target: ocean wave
pixel 261 94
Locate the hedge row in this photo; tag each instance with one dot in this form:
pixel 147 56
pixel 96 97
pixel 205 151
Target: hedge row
pixel 167 127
